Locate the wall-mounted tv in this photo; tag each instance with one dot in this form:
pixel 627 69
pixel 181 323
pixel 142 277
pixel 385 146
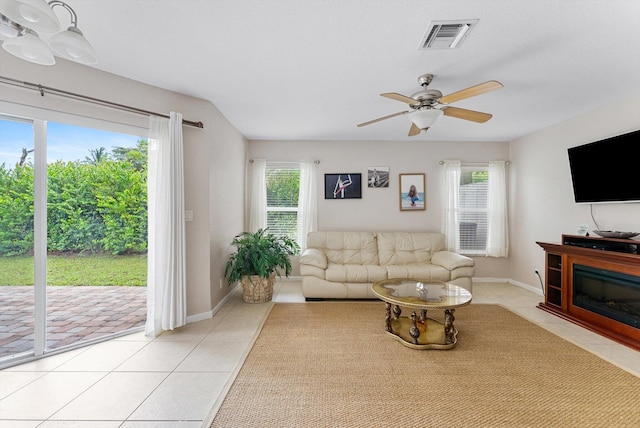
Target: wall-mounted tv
pixel 607 170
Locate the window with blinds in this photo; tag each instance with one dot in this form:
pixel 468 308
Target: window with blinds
pixel 283 187
pixel 474 187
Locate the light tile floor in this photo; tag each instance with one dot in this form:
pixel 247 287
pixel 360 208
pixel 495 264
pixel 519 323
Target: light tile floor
pixel 176 379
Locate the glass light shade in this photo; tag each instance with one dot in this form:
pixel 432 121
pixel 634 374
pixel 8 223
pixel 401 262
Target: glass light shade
pixel 34 14
pixel 29 47
pixel 72 45
pixel 8 28
pixel 424 117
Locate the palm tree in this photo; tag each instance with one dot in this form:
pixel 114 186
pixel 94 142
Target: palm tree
pixel 96 156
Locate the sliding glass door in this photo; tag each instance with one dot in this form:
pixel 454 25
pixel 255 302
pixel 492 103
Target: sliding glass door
pixel 73 236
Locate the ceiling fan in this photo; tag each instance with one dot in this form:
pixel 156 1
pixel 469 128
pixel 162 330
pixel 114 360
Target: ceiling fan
pixel 427 105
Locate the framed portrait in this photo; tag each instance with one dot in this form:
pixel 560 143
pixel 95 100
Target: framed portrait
pixel 378 176
pixel 343 186
pixel 412 192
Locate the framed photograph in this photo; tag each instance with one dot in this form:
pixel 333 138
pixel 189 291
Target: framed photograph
pixel 378 176
pixel 412 192
pixel 343 186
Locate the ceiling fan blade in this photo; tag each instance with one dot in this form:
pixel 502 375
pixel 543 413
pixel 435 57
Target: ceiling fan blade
pixel 400 97
pixel 462 113
pixel 480 89
pixel 381 118
pixel 414 130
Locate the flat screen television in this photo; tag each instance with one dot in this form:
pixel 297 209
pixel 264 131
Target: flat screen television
pixel 607 170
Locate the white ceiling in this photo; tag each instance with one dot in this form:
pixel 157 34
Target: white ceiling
pixel 313 69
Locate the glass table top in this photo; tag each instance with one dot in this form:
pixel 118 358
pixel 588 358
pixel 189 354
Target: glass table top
pixel 421 293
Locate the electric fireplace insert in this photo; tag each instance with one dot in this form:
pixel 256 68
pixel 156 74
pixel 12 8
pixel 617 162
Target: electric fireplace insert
pixel 614 295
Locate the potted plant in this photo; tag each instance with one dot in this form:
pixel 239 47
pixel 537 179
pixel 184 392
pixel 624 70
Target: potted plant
pixel 259 256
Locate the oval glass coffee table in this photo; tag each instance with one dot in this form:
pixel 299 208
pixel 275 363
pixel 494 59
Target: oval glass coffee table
pixel 418 331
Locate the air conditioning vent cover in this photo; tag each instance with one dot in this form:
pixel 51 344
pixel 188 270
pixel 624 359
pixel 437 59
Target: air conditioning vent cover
pixel 446 34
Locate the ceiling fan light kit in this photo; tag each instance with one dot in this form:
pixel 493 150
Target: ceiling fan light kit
pixel 22 20
pixel 425 117
pixel 427 105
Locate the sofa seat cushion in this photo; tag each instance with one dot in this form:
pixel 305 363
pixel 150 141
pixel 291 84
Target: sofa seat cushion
pixel 451 260
pixel 355 273
pixel 400 248
pixel 419 271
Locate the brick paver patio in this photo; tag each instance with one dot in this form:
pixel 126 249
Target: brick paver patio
pixel 74 314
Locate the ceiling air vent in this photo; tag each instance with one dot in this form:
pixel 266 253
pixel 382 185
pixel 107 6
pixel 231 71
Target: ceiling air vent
pixel 446 34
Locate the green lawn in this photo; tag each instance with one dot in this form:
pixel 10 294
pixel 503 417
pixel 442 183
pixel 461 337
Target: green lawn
pixel 77 270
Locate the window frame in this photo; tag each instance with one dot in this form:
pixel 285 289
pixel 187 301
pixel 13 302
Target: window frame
pixel 293 166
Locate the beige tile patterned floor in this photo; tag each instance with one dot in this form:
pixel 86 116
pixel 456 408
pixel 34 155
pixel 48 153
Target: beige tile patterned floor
pixel 174 380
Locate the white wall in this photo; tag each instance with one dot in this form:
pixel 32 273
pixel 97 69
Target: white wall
pixel 378 210
pixel 541 197
pixel 214 156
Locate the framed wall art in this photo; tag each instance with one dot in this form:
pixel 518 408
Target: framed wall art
pixel 378 176
pixel 412 192
pixel 343 186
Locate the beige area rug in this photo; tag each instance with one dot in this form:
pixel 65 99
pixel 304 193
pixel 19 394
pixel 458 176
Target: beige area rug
pixel 330 364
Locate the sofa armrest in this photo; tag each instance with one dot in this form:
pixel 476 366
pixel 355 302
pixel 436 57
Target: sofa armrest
pixel 451 261
pixel 314 257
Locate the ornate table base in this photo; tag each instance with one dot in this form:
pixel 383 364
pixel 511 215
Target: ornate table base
pixel 420 331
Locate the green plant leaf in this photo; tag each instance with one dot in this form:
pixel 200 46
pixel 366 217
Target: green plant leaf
pixel 259 253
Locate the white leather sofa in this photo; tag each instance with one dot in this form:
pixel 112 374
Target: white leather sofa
pixel 343 265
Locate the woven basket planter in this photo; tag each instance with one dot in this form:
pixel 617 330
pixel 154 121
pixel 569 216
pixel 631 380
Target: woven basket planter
pixel 256 289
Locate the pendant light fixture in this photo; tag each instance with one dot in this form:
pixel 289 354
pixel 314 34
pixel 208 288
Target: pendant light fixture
pixel 22 21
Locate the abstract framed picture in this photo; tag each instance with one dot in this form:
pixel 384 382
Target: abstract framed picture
pixel 343 186
pixel 412 192
pixel 378 176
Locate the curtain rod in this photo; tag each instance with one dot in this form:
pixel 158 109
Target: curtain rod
pixel 474 163
pixel 317 162
pixel 46 89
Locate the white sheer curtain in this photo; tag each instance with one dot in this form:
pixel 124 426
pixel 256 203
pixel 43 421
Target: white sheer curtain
pixel 498 231
pixel 307 202
pixel 166 275
pixel 258 201
pixel 450 191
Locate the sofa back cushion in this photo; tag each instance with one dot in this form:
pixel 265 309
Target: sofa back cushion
pixel 402 248
pixel 346 247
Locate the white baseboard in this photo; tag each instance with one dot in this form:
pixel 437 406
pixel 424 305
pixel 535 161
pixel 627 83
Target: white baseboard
pixel 475 279
pixel 289 279
pixel 200 317
pixel 211 313
pixel 533 289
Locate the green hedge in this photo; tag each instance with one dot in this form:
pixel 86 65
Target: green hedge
pixel 91 206
pixel 16 210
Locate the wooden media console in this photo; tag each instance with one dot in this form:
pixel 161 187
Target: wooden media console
pixel 595 282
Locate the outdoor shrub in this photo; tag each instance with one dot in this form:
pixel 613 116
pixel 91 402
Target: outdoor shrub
pixel 16 210
pixel 96 205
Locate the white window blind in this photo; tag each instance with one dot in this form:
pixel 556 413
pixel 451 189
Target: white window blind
pixel 474 186
pixel 283 187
